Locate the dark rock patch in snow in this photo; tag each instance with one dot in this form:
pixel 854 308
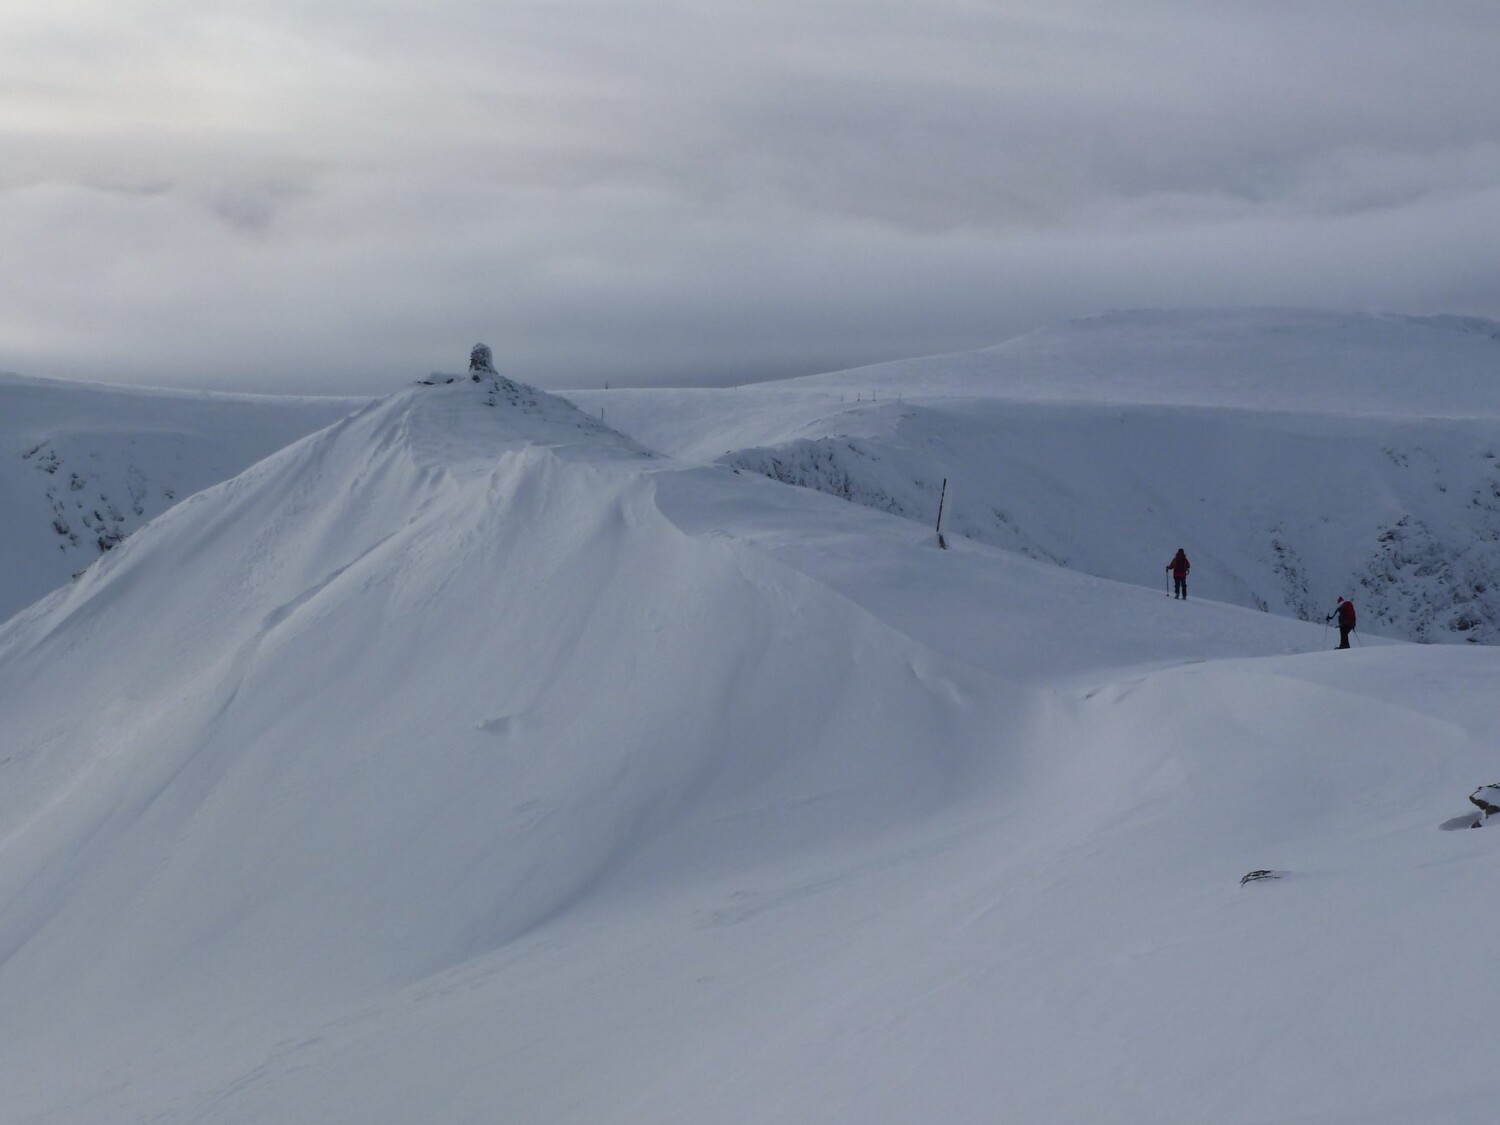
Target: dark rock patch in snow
pixel 1259 876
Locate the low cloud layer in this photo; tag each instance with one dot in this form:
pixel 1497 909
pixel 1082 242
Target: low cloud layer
pixel 339 197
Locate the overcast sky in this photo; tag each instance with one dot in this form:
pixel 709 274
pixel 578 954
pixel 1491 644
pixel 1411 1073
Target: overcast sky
pixel 339 196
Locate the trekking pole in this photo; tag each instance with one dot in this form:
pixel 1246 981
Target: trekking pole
pixel 1357 641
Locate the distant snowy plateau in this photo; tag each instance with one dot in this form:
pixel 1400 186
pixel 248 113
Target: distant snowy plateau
pixel 477 754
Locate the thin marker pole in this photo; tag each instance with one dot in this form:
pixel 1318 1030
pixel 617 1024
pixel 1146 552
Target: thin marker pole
pixel 942 498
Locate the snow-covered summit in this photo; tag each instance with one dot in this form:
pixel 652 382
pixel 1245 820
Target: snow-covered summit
pixel 455 418
pixel 401 693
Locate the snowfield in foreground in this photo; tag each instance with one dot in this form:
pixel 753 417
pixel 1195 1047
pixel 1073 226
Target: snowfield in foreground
pixel 468 761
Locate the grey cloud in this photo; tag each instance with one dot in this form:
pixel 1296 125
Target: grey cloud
pixel 250 207
pixel 331 195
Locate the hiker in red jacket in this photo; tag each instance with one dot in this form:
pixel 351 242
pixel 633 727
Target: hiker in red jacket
pixel 1344 611
pixel 1179 566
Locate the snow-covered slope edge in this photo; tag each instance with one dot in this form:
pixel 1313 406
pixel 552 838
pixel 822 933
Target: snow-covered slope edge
pixel 1278 512
pixel 84 465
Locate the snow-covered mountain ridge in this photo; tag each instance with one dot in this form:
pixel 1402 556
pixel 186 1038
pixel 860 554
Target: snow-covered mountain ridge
pixel 335 719
pixel 464 761
pixel 1297 456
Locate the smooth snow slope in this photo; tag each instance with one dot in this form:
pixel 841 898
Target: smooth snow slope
pixel 84 465
pixel 395 697
pixel 1298 457
pixel 467 762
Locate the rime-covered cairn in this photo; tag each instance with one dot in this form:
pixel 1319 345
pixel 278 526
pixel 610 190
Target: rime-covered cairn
pixel 481 361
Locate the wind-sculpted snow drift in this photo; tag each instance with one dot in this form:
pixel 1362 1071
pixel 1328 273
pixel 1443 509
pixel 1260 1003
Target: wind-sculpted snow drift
pixel 402 692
